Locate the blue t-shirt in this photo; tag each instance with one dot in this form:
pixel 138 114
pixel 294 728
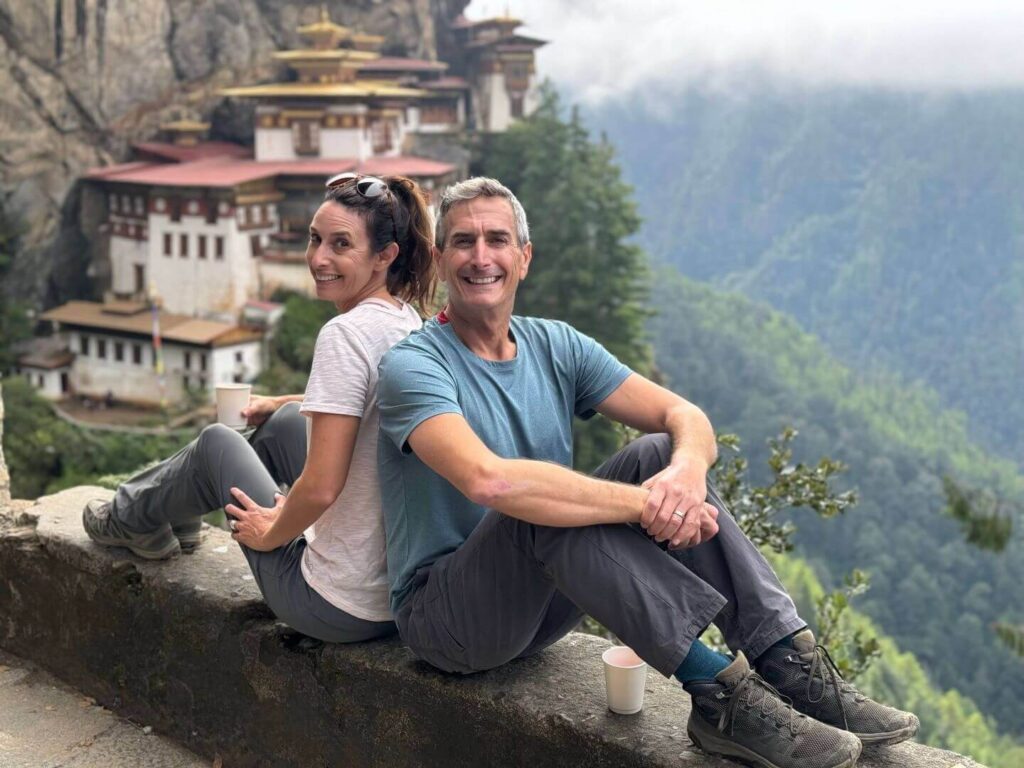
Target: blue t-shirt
pixel 520 408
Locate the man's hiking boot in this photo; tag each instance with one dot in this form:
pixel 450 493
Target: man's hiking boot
pixel 807 676
pixel 104 529
pixel 739 715
pixel 189 535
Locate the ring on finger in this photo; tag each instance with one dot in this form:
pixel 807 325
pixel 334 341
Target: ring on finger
pixel 233 525
pixel 679 514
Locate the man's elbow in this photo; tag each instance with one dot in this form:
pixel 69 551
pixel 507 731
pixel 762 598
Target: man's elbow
pixel 487 486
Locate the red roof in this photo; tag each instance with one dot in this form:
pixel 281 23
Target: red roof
pixel 201 151
pixel 226 172
pixel 401 64
pixel 218 172
pixel 445 84
pixel 404 166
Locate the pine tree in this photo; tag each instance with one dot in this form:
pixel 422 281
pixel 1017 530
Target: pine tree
pixel 585 269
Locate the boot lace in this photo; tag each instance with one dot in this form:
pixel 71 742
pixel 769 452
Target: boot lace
pixel 752 692
pixel 821 667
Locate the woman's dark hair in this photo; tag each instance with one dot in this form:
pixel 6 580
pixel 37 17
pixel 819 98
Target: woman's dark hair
pixel 402 216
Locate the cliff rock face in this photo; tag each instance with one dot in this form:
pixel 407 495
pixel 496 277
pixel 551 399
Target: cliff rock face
pixel 81 79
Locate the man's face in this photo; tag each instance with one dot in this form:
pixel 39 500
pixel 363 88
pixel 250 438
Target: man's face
pixel 482 261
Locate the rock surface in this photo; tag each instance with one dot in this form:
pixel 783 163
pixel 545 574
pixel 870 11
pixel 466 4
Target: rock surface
pixel 82 79
pixel 188 647
pixel 45 723
pixel 5 477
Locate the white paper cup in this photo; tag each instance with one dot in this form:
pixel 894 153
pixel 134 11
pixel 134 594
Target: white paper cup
pixel 625 676
pixel 231 399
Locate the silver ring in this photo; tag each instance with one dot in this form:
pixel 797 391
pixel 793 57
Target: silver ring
pixel 677 513
pixel 233 525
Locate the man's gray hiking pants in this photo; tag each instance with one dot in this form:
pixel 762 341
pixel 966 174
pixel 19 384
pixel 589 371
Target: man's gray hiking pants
pixel 198 479
pixel 514 588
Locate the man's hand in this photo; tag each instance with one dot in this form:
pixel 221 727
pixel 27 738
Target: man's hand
pixel 704 518
pixel 676 510
pixel 260 409
pixel 675 488
pixel 253 522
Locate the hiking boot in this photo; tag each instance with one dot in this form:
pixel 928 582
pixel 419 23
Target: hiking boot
pixel 104 528
pixel 189 535
pixel 807 675
pixel 739 715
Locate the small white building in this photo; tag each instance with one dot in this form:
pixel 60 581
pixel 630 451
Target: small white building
pixel 47 367
pixel 115 354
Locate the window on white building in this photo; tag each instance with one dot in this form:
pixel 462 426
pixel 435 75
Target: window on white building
pixel 168 244
pixel 238 356
pixel 218 249
pixel 83 345
pixel 101 349
pixel 188 361
pixel 183 245
pixel 202 246
pixel 202 361
pixel 137 354
pixel 119 351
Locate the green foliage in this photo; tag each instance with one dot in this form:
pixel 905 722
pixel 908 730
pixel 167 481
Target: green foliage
pixel 45 454
pixel 14 322
pixel 982 518
pixel 291 349
pixel 1012 636
pixel 792 486
pixel 853 651
pixel 585 269
pixel 295 337
pixel 949 719
pixel 754 372
pixel 887 223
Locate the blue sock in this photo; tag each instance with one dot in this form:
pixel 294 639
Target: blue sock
pixel 701 663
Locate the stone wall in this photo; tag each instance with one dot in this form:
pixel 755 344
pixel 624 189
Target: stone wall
pixel 188 647
pixel 5 478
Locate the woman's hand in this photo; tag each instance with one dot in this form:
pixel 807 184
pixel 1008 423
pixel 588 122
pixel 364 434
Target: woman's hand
pixel 259 409
pixel 252 522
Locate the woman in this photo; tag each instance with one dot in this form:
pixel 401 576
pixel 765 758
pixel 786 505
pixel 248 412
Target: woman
pixel 369 253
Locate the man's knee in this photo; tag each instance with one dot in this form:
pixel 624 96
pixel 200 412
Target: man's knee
pixel 651 453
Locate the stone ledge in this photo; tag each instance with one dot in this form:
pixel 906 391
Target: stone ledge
pixel 188 647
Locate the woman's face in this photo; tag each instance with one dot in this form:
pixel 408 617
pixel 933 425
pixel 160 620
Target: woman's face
pixel 341 258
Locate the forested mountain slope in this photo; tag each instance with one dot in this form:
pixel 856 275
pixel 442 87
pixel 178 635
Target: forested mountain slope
pixel 754 371
pixel 891 225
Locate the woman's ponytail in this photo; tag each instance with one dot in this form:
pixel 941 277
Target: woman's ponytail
pixel 411 275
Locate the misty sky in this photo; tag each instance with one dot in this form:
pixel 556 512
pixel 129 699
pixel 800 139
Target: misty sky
pixel 600 48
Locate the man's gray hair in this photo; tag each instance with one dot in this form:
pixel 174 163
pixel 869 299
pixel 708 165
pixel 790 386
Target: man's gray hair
pixel 471 189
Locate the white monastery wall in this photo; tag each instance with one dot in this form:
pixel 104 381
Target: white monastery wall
pixel 274 144
pixel 125 254
pixel 239 362
pixel 499 113
pixel 46 382
pixel 191 284
pixel 343 142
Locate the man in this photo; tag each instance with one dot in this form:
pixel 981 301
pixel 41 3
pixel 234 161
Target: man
pixel 496 548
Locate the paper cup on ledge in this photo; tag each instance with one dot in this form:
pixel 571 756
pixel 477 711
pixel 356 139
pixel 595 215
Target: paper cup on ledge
pixel 231 399
pixel 625 676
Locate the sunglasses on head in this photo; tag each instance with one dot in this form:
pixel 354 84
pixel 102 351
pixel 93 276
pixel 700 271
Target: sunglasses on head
pixel 369 187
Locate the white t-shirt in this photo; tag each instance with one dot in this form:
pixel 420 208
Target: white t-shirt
pixel 345 560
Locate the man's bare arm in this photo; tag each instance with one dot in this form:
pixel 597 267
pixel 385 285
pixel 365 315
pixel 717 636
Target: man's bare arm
pixel 682 485
pixel 534 491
